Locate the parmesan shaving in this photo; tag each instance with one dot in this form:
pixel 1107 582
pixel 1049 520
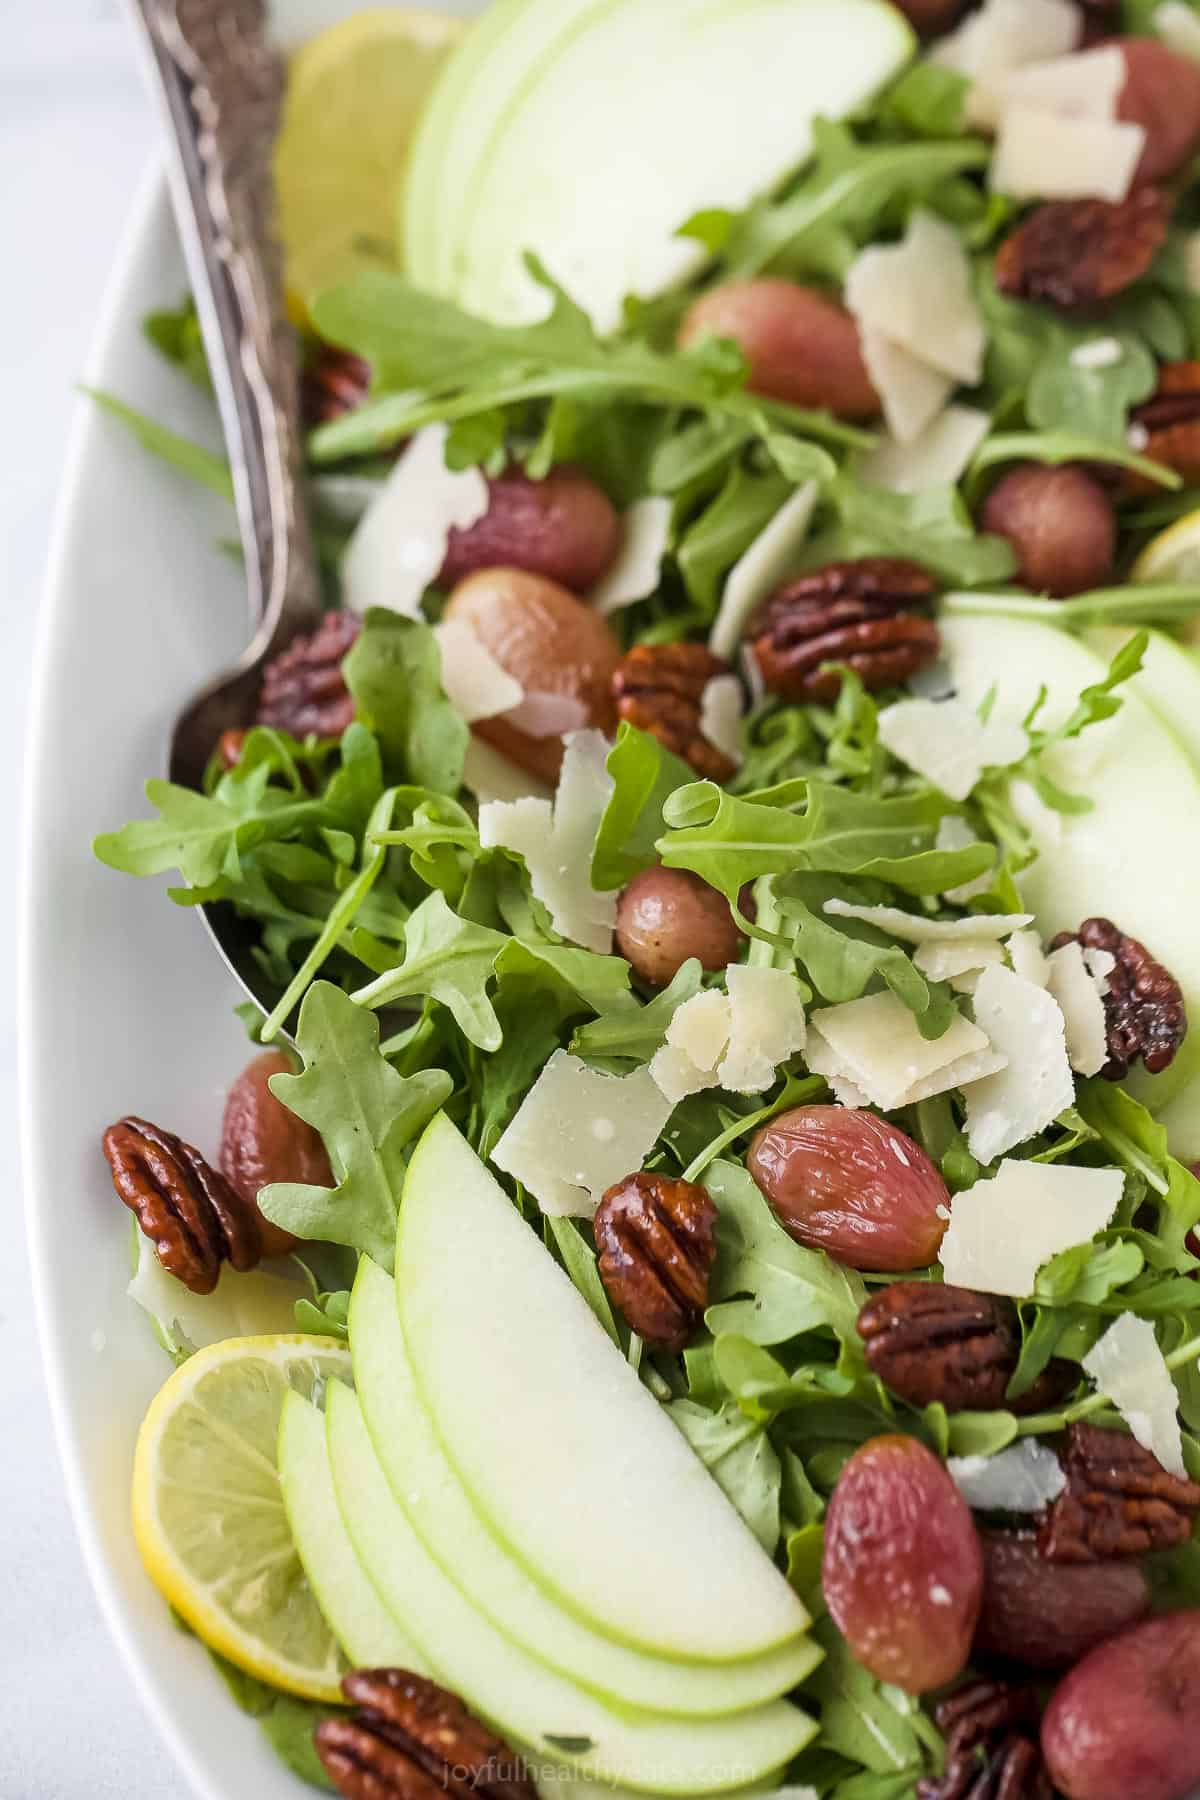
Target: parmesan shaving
pixel 1045 156
pixel 910 392
pixel 937 457
pixel 767 1026
pixel 948 743
pixel 1028 958
pixel 1128 1367
pixel 949 959
pixel 578 1131
pixel 489 776
pixel 761 568
pixel 1086 85
pixel 876 1044
pixel 918 294
pixel 400 543
pixel 557 840
pixel 475 684
pixel 913 929
pixel 638 567
pixel 1082 1008
pixel 1024 1023
pixel 1023 1478
pixel 1002 1231
pixel 721 714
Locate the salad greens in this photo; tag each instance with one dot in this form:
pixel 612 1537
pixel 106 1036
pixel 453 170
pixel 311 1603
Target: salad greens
pixel 416 960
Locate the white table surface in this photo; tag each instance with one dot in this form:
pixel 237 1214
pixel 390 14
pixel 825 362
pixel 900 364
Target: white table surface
pixel 75 134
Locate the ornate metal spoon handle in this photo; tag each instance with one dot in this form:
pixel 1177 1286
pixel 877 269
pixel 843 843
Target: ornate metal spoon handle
pixel 220 84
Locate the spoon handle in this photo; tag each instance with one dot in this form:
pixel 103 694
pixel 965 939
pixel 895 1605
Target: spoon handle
pixel 219 83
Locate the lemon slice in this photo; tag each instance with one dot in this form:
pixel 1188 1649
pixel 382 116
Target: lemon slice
pixel 1174 555
pixel 208 1511
pixel 355 93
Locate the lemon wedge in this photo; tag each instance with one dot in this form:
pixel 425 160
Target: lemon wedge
pixel 1174 555
pixel 208 1511
pixel 354 95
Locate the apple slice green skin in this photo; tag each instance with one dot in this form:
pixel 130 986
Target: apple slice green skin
pixel 521 148
pixel 526 1701
pixel 573 1464
pixel 1128 858
pixel 354 1612
pixel 460 1541
pixel 1170 683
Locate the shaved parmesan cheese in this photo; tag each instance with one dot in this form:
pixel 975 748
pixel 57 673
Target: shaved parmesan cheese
pixel 761 568
pixel 472 680
pixel 635 573
pixel 877 1045
pixel 915 930
pixel 936 458
pixel 950 959
pixel 400 542
pixel 490 776
pixel 948 743
pixel 910 392
pixel 557 842
pixel 1129 1368
pixel 766 1026
pixel 1178 26
pixel 1027 957
pixel 545 715
pixel 918 294
pixel 701 1028
pixel 821 1060
pixel 1087 85
pixel 1100 965
pixel 578 1131
pixel 1002 1231
pixel 1082 1008
pixel 721 715
pixel 1043 156
pixel 1026 1025
pixel 677 1076
pixel 1023 1478
pixel 1002 36
pixel 955 834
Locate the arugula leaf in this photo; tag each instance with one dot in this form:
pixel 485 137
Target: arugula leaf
pixel 730 841
pixel 326 1316
pixel 848 188
pixel 192 460
pixel 766 1287
pixel 638 1034
pixel 288 1727
pixel 928 100
pixel 1088 1273
pixel 449 365
pixel 645 773
pixel 366 1114
pixel 932 528
pixel 739 1455
pixel 1065 446
pixel 176 335
pixel 870 1724
pixel 1068 394
pixel 580 1261
pixel 713 542
pixel 394 672
pixel 451 959
pixel 204 836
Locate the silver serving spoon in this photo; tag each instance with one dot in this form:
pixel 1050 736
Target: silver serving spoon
pixel 219 85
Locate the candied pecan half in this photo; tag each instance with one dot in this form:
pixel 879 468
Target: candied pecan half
pixel 408 1739
pixel 929 1341
pixel 1166 427
pixel 657 1241
pixel 660 689
pixel 1118 1501
pixel 992 1751
pixel 1080 253
pixel 303 692
pixel 857 613
pixel 192 1215
pixel 334 382
pixel 1144 1008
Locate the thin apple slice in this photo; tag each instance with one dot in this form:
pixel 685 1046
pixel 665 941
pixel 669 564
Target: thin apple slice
pixel 1129 857
pixel 605 1504
pixel 354 1612
pixel 458 1538
pixel 522 1697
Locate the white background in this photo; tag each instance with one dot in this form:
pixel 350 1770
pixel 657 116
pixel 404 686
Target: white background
pixel 75 134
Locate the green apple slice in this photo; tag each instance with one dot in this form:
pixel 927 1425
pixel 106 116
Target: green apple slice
pixel 588 131
pixel 354 1612
pixel 605 1505
pixel 455 1534
pixel 525 1700
pixel 1121 859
